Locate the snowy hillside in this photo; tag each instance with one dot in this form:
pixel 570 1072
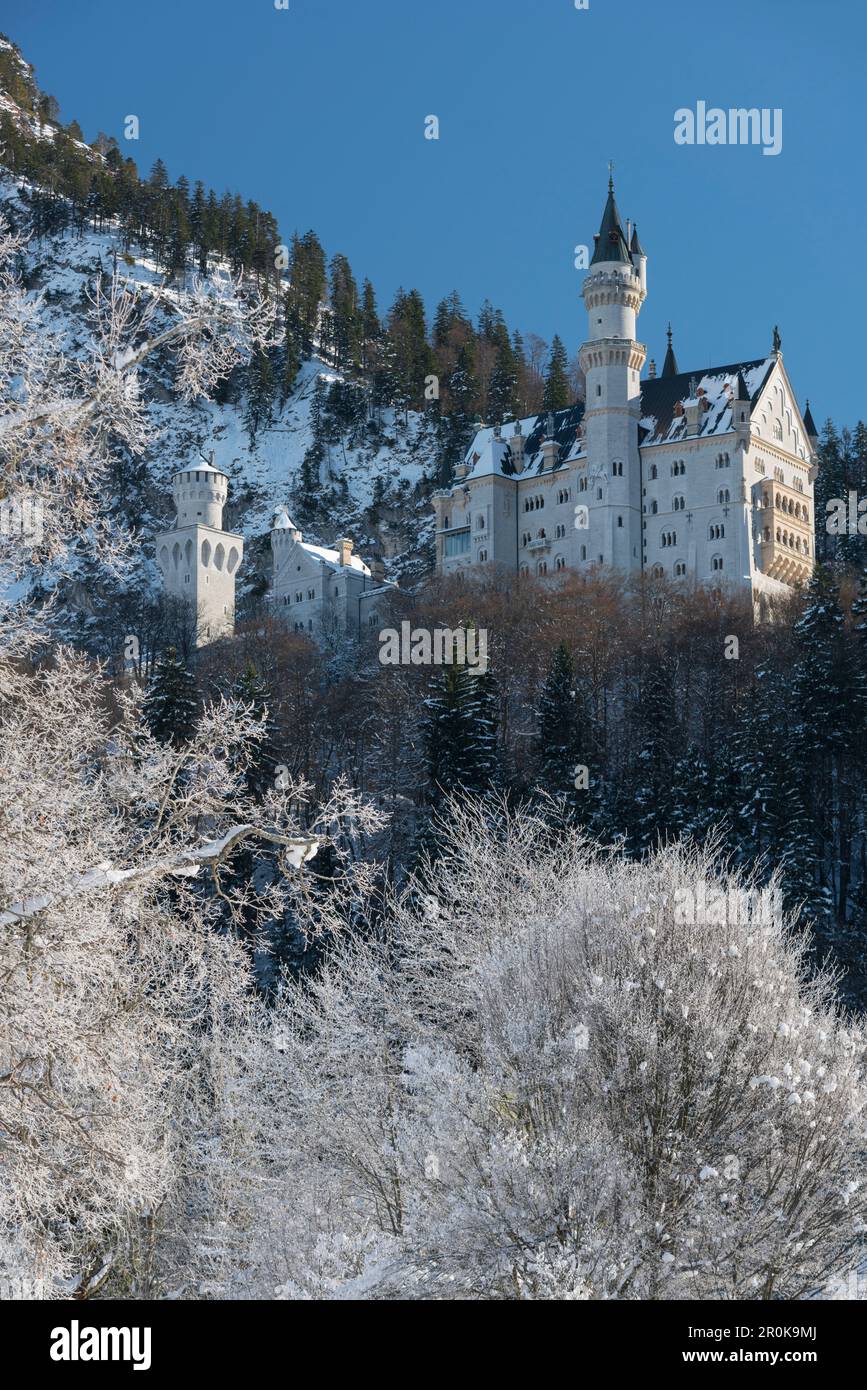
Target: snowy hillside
pixel 60 272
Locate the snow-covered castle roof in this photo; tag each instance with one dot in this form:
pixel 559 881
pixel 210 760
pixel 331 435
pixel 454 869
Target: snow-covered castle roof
pixel 283 522
pixel 663 417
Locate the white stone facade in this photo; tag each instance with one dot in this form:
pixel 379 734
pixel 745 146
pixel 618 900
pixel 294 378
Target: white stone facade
pixel 199 560
pixel 702 476
pixel 326 594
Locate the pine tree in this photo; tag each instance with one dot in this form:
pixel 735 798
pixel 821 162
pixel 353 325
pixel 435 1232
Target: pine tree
pixel 565 740
pixel 170 704
pixel 650 816
pixel 558 393
pixel 252 691
pixel 260 394
pixel 481 772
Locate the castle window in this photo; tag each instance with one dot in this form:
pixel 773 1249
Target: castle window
pixel 680 569
pixel 559 563
pixel 653 472
pixel 620 521
pixel 716 532
pixel 542 567
pixel 678 504
pixel 717 562
pixel 657 571
pixel 560 532
pixel 583 552
pixel 723 495
pixel 617 470
pixel 526 538
pixel 311 593
pixel 336 592
pixel 483 555
pixel 599 494
pixel 480 523
pixel 582 484
pixel 524 571
pixel 654 507
pixel 563 495
pixel 599 390
pixel 540 534
pixel 186 579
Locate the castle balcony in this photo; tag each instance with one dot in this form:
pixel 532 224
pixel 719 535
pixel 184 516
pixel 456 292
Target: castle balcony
pixel 784 555
pixel 772 498
pixel 538 544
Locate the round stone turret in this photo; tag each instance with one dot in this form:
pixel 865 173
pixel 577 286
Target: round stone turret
pixel 200 495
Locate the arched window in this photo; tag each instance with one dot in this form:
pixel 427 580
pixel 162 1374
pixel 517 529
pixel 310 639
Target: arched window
pixel 680 569
pixel 723 495
pixel 654 508
pixel 559 563
pixel 480 523
pixel 483 555
pixel 657 571
pixel 583 552
pixel 678 504
pixel 716 562
pixel 653 473
pixel 524 571
pixel 542 567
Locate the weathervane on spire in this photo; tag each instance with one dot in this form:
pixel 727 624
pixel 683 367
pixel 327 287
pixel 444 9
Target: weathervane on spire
pixel 611 176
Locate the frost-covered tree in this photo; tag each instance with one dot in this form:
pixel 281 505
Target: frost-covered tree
pixel 562 1075
pixel 125 1015
pixel 63 419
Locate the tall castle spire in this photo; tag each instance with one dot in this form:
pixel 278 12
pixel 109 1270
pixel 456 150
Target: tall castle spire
pixel 610 241
pixel 614 290
pixel 669 366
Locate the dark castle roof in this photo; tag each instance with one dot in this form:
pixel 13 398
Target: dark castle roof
pixel 611 241
pixel 660 421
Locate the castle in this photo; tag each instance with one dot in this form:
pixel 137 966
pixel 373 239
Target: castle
pixel 704 476
pixel 326 594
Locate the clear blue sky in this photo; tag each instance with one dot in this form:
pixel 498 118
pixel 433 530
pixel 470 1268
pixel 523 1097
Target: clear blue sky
pixel 317 113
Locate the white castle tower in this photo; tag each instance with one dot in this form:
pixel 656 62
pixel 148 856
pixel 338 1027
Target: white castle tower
pixel 614 291
pixel 198 559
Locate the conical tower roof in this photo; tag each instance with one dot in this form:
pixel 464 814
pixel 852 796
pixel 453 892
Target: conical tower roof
pixel 611 241
pixel 669 366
